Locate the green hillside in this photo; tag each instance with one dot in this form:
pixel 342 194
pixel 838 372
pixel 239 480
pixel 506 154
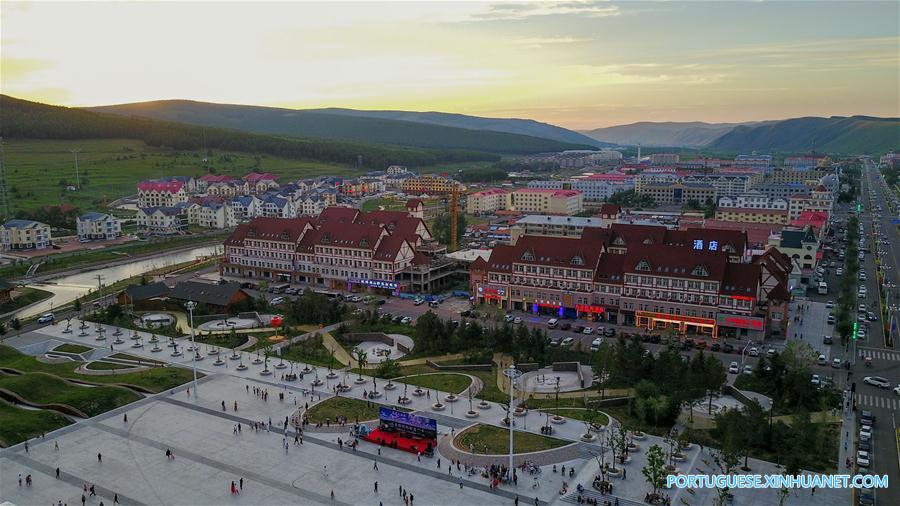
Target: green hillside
pixel 840 135
pixel 30 120
pixel 329 124
pixel 37 171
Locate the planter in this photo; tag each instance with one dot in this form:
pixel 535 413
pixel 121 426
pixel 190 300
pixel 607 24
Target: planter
pixel 156 349
pixel 331 375
pixel 640 436
pixel 484 405
pixel 360 381
pixel 198 358
pixel 374 394
pixel 418 392
pixel 671 469
pixel 176 354
pixel 153 339
pixel 343 388
pixel 404 400
pixel 234 357
pixel 451 398
pixel 242 367
pixel 634 448
pixel 390 386
pixel 257 361
pixel 614 472
pixel 557 420
pixel 317 383
pixel 437 406
pixel 471 414
pixel 212 352
pixel 101 337
pixel 587 438
pixel 82 334
pixel 679 457
pixel 135 345
pixel 281 365
pixel 219 362
pixel 265 372
pixel 307 370
pixel 118 341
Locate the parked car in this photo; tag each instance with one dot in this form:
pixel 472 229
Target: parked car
pixel 862 458
pixel 433 303
pixel 379 302
pixel 568 341
pixel 554 341
pixel 754 352
pixel 46 318
pixel 815 380
pixel 565 326
pixel 398 319
pixel 715 347
pixel 728 348
pixel 276 301
pixel 418 302
pixel 517 320
pixel 822 360
pixel 406 320
pixel 877 381
pixel 748 369
pixel 610 332
pixel 734 368
pixel 865 433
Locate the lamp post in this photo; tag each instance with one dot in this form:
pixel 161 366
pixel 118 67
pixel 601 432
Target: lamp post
pixel 190 307
pixel 512 373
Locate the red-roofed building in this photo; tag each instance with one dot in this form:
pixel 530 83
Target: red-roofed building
pixel 162 193
pixel 816 219
pixel 342 249
pixel 415 208
pixel 259 183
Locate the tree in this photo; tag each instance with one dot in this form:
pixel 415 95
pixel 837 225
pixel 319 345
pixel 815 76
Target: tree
pixel 655 470
pixel 726 459
pixel 619 444
pixel 362 358
pixel 16 324
pixel 2 328
pixel 77 305
pixel 603 359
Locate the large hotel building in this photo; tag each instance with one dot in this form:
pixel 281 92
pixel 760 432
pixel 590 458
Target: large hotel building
pixel 341 249
pixel 695 280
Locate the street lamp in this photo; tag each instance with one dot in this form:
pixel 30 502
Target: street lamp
pixel 512 373
pixel 190 307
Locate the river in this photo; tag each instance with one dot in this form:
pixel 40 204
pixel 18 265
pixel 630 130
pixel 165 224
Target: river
pixel 68 288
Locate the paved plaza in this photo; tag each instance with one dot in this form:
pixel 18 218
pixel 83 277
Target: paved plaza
pixel 209 455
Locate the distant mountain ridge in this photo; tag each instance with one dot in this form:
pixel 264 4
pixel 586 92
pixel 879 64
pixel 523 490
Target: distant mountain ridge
pixel 355 126
pixel 509 125
pixel 670 133
pixel 837 134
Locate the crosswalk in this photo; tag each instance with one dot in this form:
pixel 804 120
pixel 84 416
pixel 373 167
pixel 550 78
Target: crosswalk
pixel 878 354
pixel 877 401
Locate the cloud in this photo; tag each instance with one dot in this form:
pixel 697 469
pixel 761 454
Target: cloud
pixel 518 11
pixel 21 68
pixel 539 42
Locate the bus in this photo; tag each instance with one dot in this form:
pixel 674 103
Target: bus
pixel 823 288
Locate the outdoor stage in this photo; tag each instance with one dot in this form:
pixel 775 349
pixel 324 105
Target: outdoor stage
pixel 403 442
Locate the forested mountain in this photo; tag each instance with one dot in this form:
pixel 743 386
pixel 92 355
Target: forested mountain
pixel 32 120
pixel 649 133
pixel 844 135
pixel 332 125
pixel 510 125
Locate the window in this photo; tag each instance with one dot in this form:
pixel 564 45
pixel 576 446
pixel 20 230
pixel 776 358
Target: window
pixel 642 266
pixel 699 271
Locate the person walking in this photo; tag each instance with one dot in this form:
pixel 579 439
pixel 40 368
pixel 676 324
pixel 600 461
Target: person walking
pixel 83 499
pixel 93 492
pixel 99 458
pixel 376 487
pixel 241 483
pixel 375 465
pixel 57 473
pixel 116 498
pixel 26 446
pixel 125 418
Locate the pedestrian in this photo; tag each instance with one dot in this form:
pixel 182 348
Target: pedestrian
pixel 400 487
pixel 439 463
pixel 26 446
pixel 235 405
pixel 239 427
pixel 56 446
pixel 375 465
pixel 83 499
pixel 410 499
pixel 99 458
pixel 325 471
pixel 57 473
pixel 516 501
pixel 93 493
pixel 20 479
pixel 624 473
pixel 376 486
pixel 116 498
pixel 461 485
pixel 535 501
pixel 241 482
pixel 419 456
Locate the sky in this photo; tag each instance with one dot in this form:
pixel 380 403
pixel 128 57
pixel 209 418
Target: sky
pixel 577 64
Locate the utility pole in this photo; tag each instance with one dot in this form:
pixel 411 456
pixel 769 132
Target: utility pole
pixel 100 287
pixel 4 193
pixel 77 178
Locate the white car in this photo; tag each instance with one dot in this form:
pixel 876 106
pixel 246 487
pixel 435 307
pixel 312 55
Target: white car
pixel 568 341
pixel 862 458
pixel 46 318
pixel 733 368
pixel 748 369
pixel 418 302
pixel 862 308
pixel 829 304
pixel 822 360
pixel 877 381
pixel 587 330
pixel 754 352
pixel 865 433
pixel 771 352
pixel 355 298
pixel 407 320
pixel 815 380
pixel 276 301
pixel 897 389
pixel 517 320
pixel 836 363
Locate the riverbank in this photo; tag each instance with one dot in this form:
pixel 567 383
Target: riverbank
pixel 76 263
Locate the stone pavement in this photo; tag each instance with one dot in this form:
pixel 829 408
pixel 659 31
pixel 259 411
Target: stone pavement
pixel 209 455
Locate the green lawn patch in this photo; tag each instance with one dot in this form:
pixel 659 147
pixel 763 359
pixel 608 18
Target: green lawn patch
pixel 17 424
pixel 25 296
pixel 389 204
pixel 577 414
pixel 351 409
pixel 492 440
pixel 224 340
pixel 72 348
pixel 106 366
pixel 154 380
pixel 313 353
pixel 43 388
pixel 453 383
pixel 135 358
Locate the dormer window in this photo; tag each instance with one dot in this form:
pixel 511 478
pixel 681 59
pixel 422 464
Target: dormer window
pixel 700 271
pixel 326 238
pixel 527 256
pixel 648 241
pixel 364 242
pixel 577 260
pixel 619 241
pixel 642 266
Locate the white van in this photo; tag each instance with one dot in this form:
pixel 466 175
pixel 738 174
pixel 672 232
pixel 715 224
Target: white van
pixel 822 360
pixel 595 344
pixel 551 323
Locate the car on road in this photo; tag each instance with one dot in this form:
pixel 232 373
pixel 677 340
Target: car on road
pixel 418 302
pixel 276 301
pixel 771 352
pixel 554 341
pixel 748 369
pixel 877 381
pixel 867 418
pixel 829 304
pixel 831 319
pixel 568 341
pixel 406 320
pixel 734 368
pixel 822 360
pixel 552 322
pixel 815 380
pixel 517 320
pixel 872 317
pixel 862 458
pixel 587 331
pixel 46 318
pixel 865 433
pixel 610 332
pixel 836 363
pixel 754 352
pixel 862 308
pixel 827 340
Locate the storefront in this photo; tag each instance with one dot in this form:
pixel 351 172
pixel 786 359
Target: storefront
pixel 681 324
pixel 545 308
pixel 593 313
pixel 741 326
pixel 494 296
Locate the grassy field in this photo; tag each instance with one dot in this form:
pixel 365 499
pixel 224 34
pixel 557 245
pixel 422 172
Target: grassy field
pixel 106 366
pixel 454 383
pixel 17 424
pixel 389 204
pixel 491 440
pixel 224 340
pixel 317 355
pixel 26 296
pixel 110 169
pixel 352 409
pixel 43 388
pixel 72 348
pixel 155 380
